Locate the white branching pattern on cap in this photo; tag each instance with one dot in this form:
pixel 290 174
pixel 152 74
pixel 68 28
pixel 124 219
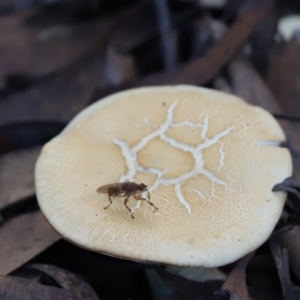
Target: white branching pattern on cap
pixel 130 155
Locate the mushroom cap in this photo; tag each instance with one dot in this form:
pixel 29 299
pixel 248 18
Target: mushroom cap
pixel 209 160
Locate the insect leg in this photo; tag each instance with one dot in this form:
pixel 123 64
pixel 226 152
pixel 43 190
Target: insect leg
pixel 109 203
pixel 125 203
pixel 148 195
pixel 138 197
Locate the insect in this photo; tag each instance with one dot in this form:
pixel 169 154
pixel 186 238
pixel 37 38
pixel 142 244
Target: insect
pixel 125 189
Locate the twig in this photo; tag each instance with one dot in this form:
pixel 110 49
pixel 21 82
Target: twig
pixel 167 34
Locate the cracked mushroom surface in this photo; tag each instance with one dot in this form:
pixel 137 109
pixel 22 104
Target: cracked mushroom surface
pixel 209 160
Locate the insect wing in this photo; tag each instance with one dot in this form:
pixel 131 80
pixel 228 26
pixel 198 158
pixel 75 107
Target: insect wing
pixel 104 188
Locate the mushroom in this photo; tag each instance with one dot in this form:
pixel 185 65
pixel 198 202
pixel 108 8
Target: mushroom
pixel 209 161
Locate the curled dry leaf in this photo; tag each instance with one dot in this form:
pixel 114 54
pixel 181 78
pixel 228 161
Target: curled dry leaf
pixel 69 281
pixel 13 288
pixel 289 185
pixel 110 278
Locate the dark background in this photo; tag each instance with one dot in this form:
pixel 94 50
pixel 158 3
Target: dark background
pixel 58 56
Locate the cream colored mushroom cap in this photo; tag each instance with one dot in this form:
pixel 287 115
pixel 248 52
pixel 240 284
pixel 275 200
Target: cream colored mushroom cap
pixel 209 160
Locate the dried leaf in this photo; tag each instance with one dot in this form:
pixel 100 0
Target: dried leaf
pixel 236 280
pixel 18 208
pixel 247 84
pixel 37 51
pixel 262 41
pixel 69 281
pixel 22 238
pixel 17 175
pixel 111 278
pixel 57 99
pixel 13 288
pixel 135 31
pixel 119 67
pixel 284 78
pixel 203 69
pixel 221 84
